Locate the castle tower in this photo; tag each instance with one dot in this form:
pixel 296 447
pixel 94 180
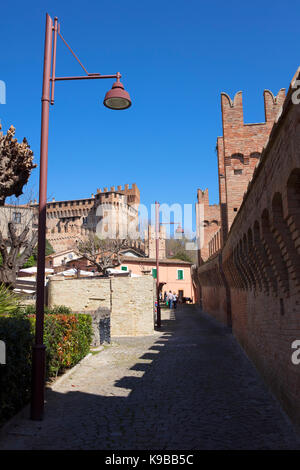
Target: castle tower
pixel 239 150
pixel 150 242
pixel 208 221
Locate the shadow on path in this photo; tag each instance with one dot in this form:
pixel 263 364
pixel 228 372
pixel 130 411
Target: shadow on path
pixel 190 387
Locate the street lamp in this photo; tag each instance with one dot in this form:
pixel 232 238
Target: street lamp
pixel 116 98
pixel 178 230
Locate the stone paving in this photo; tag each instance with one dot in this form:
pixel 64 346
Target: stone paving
pixel 189 386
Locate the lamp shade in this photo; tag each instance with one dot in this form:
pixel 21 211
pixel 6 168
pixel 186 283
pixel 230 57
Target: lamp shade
pixel 117 97
pixel 179 229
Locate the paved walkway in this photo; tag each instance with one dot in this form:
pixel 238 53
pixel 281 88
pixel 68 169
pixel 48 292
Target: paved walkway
pixel 189 386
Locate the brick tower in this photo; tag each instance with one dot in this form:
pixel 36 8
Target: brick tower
pixel 239 150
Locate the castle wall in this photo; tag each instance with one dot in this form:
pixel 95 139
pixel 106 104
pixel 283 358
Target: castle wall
pixel 68 221
pixel 240 148
pixel 211 223
pixel 259 291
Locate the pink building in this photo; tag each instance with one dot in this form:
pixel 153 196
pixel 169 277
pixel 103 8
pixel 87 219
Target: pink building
pixel 174 274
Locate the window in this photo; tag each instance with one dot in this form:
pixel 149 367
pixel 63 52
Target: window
pixel 154 273
pixel 84 220
pixel 179 274
pixel 238 172
pixel 124 268
pixel 235 209
pixel 16 217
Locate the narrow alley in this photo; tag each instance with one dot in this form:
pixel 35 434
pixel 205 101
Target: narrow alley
pixel 189 386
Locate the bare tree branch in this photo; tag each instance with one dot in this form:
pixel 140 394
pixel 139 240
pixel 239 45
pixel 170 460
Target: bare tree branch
pixel 102 253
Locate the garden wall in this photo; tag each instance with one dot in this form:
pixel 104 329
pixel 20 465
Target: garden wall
pixel 130 301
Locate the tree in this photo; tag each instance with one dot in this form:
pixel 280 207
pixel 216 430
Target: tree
pixel 102 253
pixel 15 251
pixel 16 164
pixel 17 237
pixel 48 250
pixel 183 255
pixel 176 249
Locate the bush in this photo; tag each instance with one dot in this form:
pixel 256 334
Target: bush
pixel 9 301
pixel 30 310
pixel 15 375
pixel 67 339
pixel 30 262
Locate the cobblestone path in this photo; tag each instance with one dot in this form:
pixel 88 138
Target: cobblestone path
pixel 189 386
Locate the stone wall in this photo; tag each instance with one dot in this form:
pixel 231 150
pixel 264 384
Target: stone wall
pixel 258 268
pixel 130 301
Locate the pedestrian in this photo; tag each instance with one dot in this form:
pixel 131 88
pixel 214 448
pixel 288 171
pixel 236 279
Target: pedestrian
pixel 175 299
pixel 170 299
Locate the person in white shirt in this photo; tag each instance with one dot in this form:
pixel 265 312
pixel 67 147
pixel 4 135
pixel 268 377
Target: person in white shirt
pixel 175 297
pixel 170 299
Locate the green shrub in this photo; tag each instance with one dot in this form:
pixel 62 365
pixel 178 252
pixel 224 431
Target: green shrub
pixel 67 339
pixel 9 301
pixel 15 375
pixel 56 310
pixel 30 262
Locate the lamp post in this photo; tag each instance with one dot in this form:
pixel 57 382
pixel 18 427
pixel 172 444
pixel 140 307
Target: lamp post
pixel 158 321
pixel 178 230
pixel 116 98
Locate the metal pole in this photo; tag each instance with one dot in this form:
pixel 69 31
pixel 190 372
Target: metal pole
pixel 38 352
pixel 157 261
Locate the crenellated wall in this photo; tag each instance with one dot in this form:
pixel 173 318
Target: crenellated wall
pixel 70 220
pixel 211 222
pixel 254 282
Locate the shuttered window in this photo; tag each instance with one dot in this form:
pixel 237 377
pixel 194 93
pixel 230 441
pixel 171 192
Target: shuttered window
pixel 180 274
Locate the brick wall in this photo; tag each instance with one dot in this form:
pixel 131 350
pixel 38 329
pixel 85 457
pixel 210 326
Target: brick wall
pixel 258 268
pixel 130 300
pixel 211 221
pixel 239 150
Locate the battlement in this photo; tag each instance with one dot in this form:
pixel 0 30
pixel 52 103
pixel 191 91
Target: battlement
pixel 232 110
pixel 120 189
pixel 240 148
pixel 202 196
pixel 132 194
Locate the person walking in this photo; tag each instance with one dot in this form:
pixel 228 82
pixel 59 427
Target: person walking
pixel 170 299
pixel 175 299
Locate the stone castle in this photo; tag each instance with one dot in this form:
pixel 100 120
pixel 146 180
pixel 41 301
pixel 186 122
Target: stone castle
pixel 248 273
pixel 71 220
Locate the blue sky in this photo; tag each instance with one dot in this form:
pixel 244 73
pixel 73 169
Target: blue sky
pixel 175 57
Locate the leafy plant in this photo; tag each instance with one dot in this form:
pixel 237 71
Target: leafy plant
pixel 67 339
pixel 30 262
pixel 48 250
pixel 56 310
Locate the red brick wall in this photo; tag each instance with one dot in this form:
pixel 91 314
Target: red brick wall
pixel 261 256
pixel 211 223
pixel 239 150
